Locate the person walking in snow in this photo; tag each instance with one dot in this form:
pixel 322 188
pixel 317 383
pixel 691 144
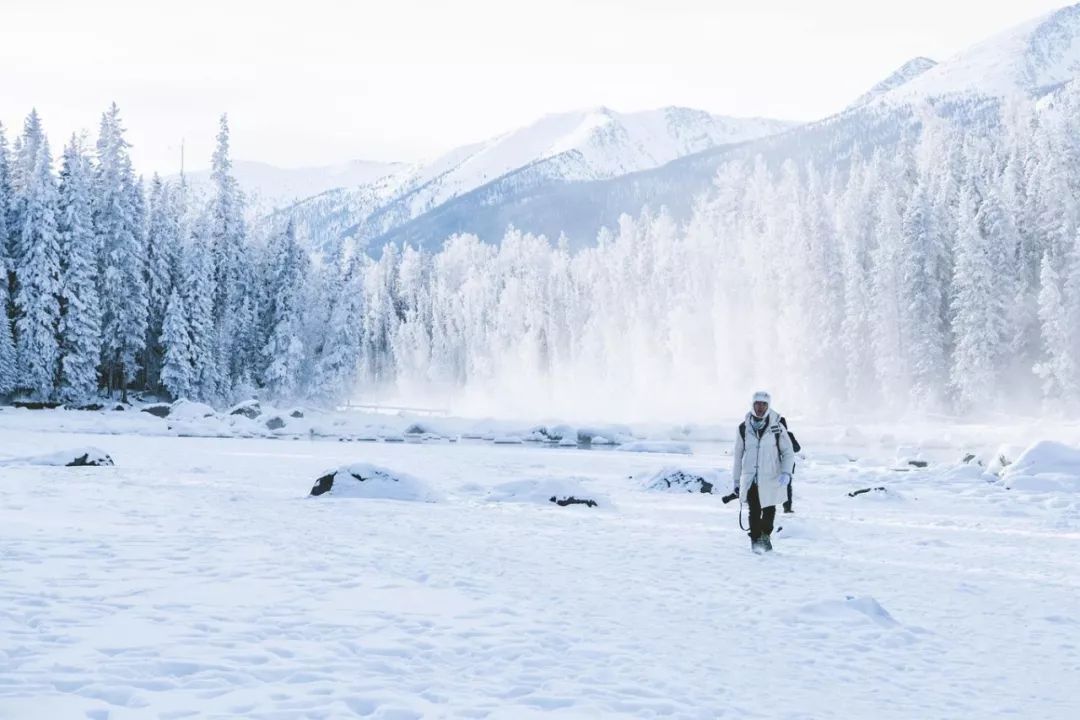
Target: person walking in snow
pixel 764 461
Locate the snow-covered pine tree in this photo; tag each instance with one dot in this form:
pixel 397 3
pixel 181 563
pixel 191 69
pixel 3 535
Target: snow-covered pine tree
pixel 162 239
pixel 1058 370
pixel 177 369
pixel 198 296
pixel 921 299
pixel 38 298
pixel 8 364
pixel 1071 317
pixel 337 361
pixel 284 352
pixel 7 229
pixel 235 312
pixel 855 224
pixel 978 312
pixel 118 223
pixel 888 324
pixel 80 324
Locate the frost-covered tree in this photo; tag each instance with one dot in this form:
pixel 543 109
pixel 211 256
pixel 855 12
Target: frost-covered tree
pixel 978 309
pixel 80 325
pixel 198 297
pixel 38 298
pixel 284 351
pixel 1059 372
pixel 177 370
pixel 338 356
pixel 235 311
pixel 118 223
pixel 8 364
pixel 7 230
pixel 922 299
pixel 162 242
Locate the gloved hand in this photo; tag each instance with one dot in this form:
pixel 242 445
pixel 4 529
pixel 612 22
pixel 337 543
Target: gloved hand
pixel 735 490
pixel 785 478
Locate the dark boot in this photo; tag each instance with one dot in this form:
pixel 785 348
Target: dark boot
pixel 766 543
pixel 788 508
pixel 756 546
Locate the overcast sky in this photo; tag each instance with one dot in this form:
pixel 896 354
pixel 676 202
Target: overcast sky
pixel 321 81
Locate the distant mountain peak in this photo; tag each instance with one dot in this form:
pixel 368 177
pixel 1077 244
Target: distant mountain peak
pixel 906 72
pixel 1029 59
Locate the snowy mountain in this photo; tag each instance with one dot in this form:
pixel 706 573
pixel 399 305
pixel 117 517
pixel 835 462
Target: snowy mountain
pixel 267 187
pixel 574 147
pixel 573 173
pixel 1030 59
pixel 905 73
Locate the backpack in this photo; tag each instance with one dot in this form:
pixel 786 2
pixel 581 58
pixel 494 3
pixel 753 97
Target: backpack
pixel 794 443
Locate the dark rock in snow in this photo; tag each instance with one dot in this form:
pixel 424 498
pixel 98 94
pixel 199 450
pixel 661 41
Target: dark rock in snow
pixel 571 500
pixel 91 459
pixel 275 423
pixel 72 457
pixel 324 484
pixel 160 411
pixel 296 414
pixel 361 480
pixel 917 463
pixel 33 405
pixel 862 491
pixel 969 458
pixel 119 407
pixel 249 409
pixel 679 480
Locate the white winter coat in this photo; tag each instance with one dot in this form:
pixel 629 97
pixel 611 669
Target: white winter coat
pixel 764 459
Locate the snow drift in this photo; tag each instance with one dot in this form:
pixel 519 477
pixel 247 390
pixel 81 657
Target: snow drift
pixel 361 480
pixel 1046 466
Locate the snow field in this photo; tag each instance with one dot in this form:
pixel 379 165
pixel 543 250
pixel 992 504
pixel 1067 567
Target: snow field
pixel 196 579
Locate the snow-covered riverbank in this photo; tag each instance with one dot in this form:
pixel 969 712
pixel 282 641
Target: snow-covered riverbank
pixel 195 578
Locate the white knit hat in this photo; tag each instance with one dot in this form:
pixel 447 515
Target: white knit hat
pixel 762 396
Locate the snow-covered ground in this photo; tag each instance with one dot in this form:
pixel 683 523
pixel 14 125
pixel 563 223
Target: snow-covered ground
pixel 196 578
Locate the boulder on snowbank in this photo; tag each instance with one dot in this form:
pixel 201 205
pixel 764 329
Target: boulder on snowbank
pixel 563 492
pixel 362 480
pixel 1045 466
pixel 77 457
pixel 161 410
pixel 250 409
pixel 677 480
pixel 275 423
pixel 188 410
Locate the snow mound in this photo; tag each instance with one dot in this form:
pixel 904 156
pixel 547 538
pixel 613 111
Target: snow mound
pixel 563 492
pixel 850 611
pixel 656 446
pixel 1046 466
pixel 362 480
pixel 677 480
pixel 1003 457
pixel 795 527
pixel 76 457
pixel 188 410
pixel 966 472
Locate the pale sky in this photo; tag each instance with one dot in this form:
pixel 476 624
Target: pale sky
pixel 323 81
